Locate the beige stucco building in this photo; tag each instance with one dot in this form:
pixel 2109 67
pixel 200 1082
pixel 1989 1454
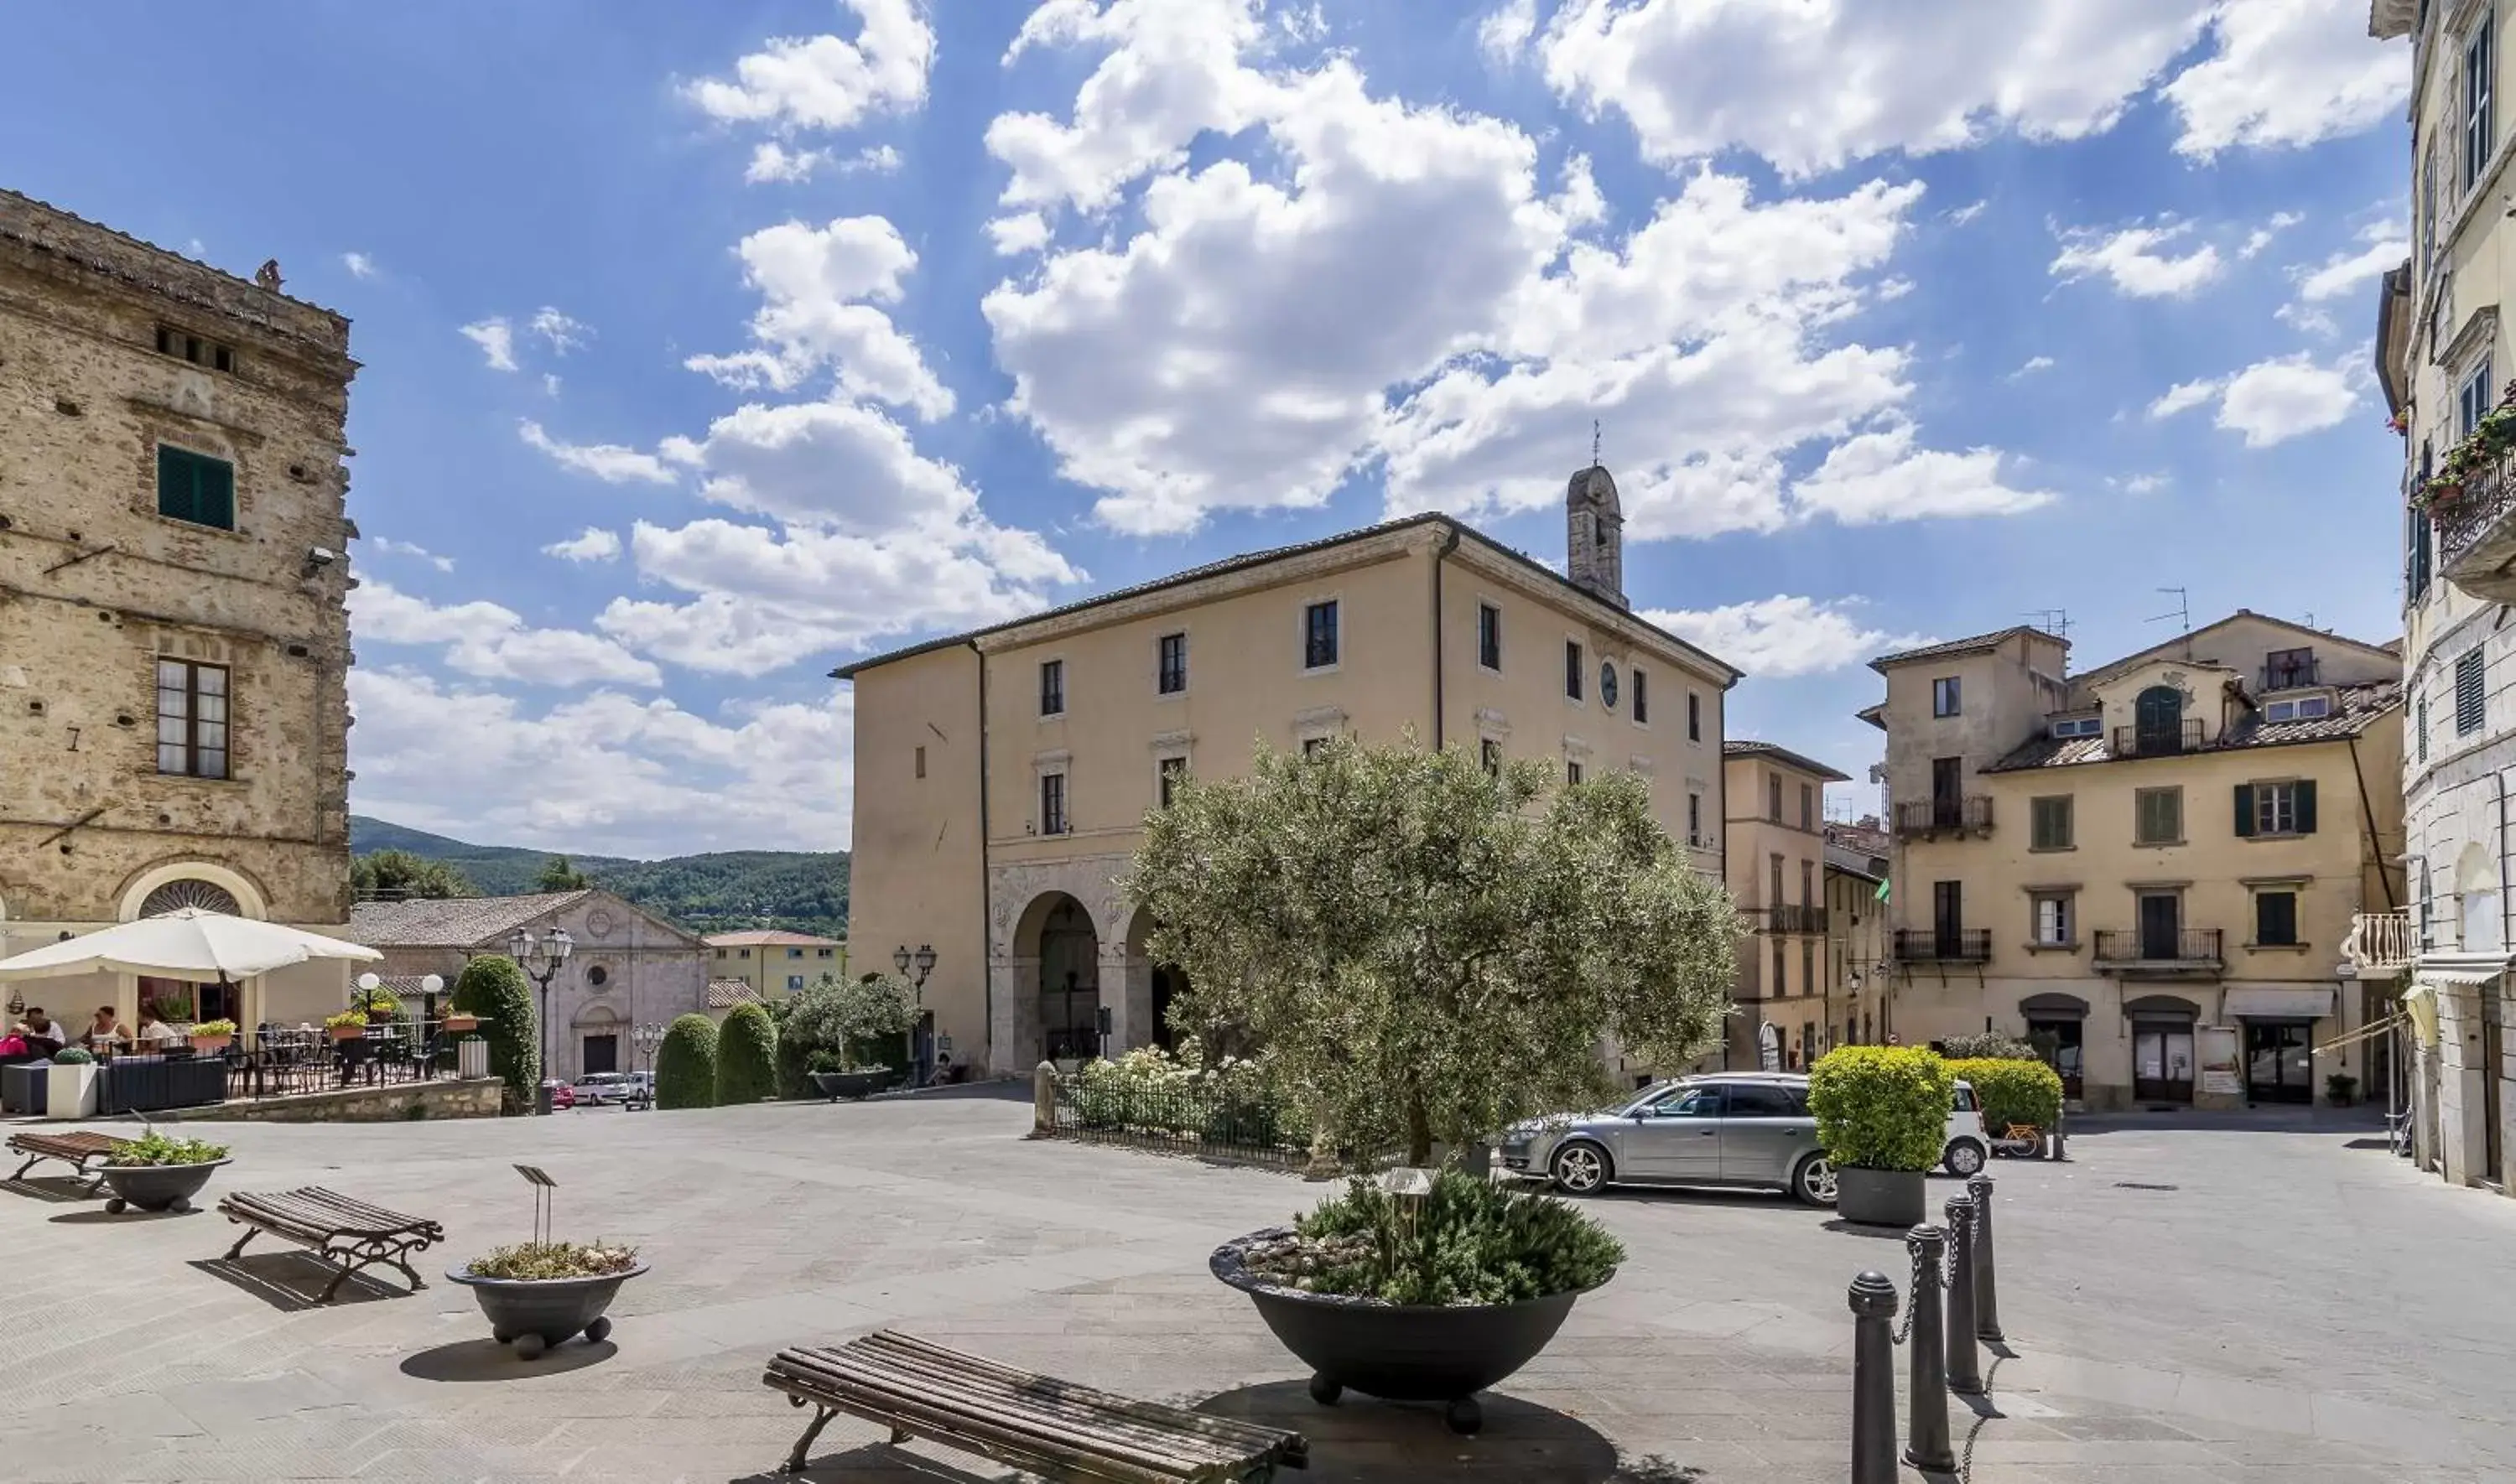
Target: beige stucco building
pixel 173 636
pixel 1860 974
pixel 1003 776
pixel 1774 847
pixel 2156 863
pixel 774 963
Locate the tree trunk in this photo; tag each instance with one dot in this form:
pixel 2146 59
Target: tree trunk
pixel 1419 1133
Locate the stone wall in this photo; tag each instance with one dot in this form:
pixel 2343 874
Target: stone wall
pixel 477 1097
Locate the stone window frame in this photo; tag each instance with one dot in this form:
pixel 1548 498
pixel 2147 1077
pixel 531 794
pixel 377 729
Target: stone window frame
pixel 1172 747
pixel 1188 671
pixel 1488 603
pixel 2068 894
pixel 2295 888
pixel 1302 633
pixel 1058 763
pixel 1575 683
pixel 173 430
pixel 1039 687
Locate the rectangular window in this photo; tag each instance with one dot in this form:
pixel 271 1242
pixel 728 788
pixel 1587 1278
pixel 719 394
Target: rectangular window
pixel 1490 635
pixel 2480 61
pixel 1773 797
pixel 2420 724
pixel 2429 206
pixel 1572 772
pixel 1782 972
pixel 2078 726
pixel 1642 698
pixel 794 953
pixel 2471 702
pixel 1808 970
pixel 1808 806
pixel 1695 820
pixel 1773 880
pixel 1171 657
pixel 794 982
pixel 1167 775
pixel 1052 804
pixel 2289 669
pixel 2276 808
pixel 1944 697
pixel 195 487
pixel 185 346
pixel 1320 635
pixel 1572 669
pixel 192 719
pixel 921 762
pixel 1808 884
pixel 2050 823
pixel 2052 920
pixel 1052 688
pixel 2473 398
pixel 2158 816
pixel 1490 753
pixel 824 953
pixel 2303 709
pixel 1693 717
pixel 2276 919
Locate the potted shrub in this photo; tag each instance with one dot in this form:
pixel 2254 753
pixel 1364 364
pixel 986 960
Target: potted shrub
pixel 1882 1114
pixel 348 1025
pixel 1430 1297
pixel 538 1295
pixel 2012 1089
pixel 833 1078
pixel 157 1173
pixel 829 1025
pixel 213 1036
pixel 69 1086
pixel 2340 1089
pixel 379 1006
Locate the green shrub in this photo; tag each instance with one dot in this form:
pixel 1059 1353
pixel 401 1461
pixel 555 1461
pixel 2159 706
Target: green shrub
pixel 686 1065
pixel 1468 1241
pixel 2012 1091
pixel 746 1056
pixel 157 1148
pixel 794 1060
pixel 72 1056
pixel 496 990
pixel 1881 1107
pixel 533 1261
pixel 1988 1045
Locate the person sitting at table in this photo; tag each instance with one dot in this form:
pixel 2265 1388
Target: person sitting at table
pixel 157 1034
pixel 44 1034
pixel 105 1031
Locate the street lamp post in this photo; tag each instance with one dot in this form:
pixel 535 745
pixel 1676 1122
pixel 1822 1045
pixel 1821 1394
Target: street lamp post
pixel 648 1038
pixel 923 960
pixel 542 957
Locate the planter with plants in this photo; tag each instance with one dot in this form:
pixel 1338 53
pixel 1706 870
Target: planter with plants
pixel 1882 1115
pixel 2340 1089
pixel 212 1036
pixel 1421 1297
pixel 538 1295
pixel 158 1173
pixel 69 1085
pixel 348 1025
pixel 833 1078
pixel 457 1023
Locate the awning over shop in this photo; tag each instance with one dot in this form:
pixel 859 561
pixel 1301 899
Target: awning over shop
pixel 2279 1001
pixel 2054 1007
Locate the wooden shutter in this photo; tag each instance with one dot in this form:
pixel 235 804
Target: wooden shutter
pixel 2244 809
pixel 2470 703
pixel 2305 806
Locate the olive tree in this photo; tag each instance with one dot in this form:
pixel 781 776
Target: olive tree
pixel 844 1016
pixel 1427 951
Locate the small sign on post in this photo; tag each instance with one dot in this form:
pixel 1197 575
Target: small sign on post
pixel 539 1179
pixel 1769 1046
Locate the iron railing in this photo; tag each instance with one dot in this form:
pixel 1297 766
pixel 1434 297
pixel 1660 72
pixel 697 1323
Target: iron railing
pixel 2486 500
pixel 1791 918
pixel 1933 816
pixel 1928 945
pixel 2156 740
pixel 273 1060
pixel 1189 1116
pixel 2293 675
pixel 2182 945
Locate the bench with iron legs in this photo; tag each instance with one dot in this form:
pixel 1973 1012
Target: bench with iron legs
pixel 345 1233
pixel 85 1153
pixel 1050 1427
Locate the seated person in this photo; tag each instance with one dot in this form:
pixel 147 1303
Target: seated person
pixel 157 1034
pixel 44 1034
pixel 105 1031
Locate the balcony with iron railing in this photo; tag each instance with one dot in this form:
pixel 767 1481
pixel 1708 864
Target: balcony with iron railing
pixel 2380 943
pixel 1931 946
pixel 1788 918
pixel 2159 950
pixel 1930 818
pixel 2293 675
pixel 2472 498
pixel 2158 740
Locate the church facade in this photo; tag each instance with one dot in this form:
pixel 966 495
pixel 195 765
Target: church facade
pixel 1003 776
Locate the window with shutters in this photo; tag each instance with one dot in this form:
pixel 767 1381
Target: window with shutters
pixel 2051 919
pixel 195 489
pixel 192 719
pixel 2471 702
pixel 1782 972
pixel 1808 966
pixel 2480 93
pixel 1572 770
pixel 1808 884
pixel 2158 816
pixel 1572 669
pixel 2050 823
pixel 1808 806
pixel 1773 797
pixel 2276 808
pixel 2421 555
pixel 2276 919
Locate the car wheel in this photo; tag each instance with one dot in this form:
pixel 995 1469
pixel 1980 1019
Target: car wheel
pixel 1581 1169
pixel 1964 1158
pixel 1813 1180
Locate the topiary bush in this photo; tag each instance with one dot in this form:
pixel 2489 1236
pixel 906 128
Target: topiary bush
pixel 1881 1107
pixel 2012 1091
pixel 686 1065
pixel 746 1057
pixel 1988 1045
pixel 496 990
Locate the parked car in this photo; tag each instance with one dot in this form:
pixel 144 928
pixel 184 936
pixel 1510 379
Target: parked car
pixel 594 1089
pixel 638 1091
pixel 562 1095
pixel 1735 1129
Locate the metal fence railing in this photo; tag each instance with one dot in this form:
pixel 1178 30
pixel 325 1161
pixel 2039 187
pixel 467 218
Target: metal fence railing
pixel 1182 1117
pixel 270 1061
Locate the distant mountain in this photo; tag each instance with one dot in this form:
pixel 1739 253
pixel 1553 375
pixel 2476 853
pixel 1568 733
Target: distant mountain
pixel 804 891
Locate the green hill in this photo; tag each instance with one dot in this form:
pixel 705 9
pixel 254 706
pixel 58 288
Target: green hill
pixel 804 891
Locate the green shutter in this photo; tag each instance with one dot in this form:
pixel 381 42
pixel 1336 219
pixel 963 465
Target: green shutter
pixel 174 483
pixel 2244 809
pixel 195 489
pixel 2306 806
pixel 214 493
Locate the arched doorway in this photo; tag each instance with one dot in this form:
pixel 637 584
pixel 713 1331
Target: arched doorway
pixel 1057 933
pixel 2157 721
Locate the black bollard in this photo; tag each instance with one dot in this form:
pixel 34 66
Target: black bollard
pixel 1927 1446
pixel 1987 1290
pixel 1873 1380
pixel 1965 1379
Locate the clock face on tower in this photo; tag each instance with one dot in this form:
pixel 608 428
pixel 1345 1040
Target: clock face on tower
pixel 1608 683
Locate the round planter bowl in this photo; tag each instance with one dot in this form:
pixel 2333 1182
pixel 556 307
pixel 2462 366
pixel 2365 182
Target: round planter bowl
pixel 155 1187
pixel 1408 1353
pixel 534 1314
pixel 1880 1197
pixel 837 1085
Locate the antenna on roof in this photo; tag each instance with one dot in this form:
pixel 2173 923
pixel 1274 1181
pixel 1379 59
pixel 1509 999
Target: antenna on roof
pixel 2183 614
pixel 2053 621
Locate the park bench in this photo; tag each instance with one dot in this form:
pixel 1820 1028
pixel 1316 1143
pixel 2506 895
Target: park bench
pixel 85 1153
pixel 1050 1427
pixel 345 1233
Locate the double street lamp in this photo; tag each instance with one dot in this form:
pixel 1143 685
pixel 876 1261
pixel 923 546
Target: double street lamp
pixel 648 1038
pixel 924 958
pixel 542 957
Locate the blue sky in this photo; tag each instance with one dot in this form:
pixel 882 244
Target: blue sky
pixel 706 347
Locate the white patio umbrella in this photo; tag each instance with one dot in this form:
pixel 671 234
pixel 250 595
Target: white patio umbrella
pixel 189 943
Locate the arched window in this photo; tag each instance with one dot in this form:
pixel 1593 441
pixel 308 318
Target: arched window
pixel 176 895
pixel 2157 721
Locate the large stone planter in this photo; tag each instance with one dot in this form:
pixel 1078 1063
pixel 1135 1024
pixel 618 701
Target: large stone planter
pixel 155 1187
pixel 69 1091
pixel 533 1314
pixel 1880 1197
pixel 837 1085
pixel 1398 1352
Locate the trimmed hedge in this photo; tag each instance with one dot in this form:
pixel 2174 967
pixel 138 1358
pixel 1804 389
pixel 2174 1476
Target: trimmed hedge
pixel 686 1065
pixel 746 1056
pixel 496 990
pixel 2013 1091
pixel 1881 1107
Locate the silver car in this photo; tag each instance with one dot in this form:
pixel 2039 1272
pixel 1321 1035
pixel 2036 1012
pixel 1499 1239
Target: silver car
pixel 1749 1129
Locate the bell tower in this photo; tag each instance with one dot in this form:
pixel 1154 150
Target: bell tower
pixel 1594 545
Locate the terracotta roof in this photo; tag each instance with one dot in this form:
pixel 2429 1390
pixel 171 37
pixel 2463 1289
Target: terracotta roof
pixel 1976 644
pixel 726 993
pixel 753 937
pixel 2359 706
pixel 1749 748
pixel 456 922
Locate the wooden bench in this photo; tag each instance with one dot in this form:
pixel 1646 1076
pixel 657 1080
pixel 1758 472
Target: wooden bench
pixel 85 1153
pixel 1050 1427
pixel 348 1234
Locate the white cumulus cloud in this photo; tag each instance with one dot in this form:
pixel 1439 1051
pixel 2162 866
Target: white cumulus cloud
pixel 1782 637
pixel 490 641
pixel 611 463
pixel 818 287
pixel 593 543
pixel 2140 261
pixel 827 83
pixel 496 339
pixel 412 550
pixel 2287 73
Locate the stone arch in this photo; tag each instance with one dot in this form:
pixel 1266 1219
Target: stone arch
pixel 1058 940
pixel 2477 898
pixel 1151 987
pixel 241 889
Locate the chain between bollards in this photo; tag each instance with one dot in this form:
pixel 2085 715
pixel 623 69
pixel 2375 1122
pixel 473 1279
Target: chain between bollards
pixel 1873 1380
pixel 1965 1379
pixel 1927 1444
pixel 1987 1290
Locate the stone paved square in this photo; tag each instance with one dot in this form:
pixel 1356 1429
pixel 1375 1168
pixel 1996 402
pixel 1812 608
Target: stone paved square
pixel 2248 1300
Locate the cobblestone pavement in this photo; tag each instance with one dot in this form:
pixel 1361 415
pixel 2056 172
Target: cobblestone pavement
pixel 2233 1303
